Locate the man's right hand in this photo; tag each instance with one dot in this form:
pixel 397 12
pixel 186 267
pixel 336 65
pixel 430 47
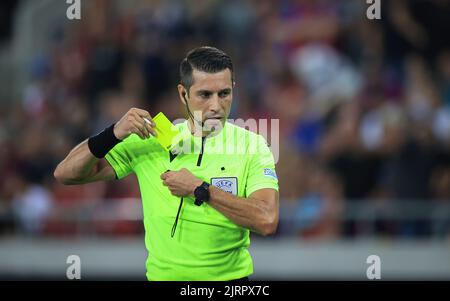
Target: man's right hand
pixel 133 122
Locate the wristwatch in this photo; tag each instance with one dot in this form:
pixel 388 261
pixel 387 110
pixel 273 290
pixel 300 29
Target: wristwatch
pixel 201 194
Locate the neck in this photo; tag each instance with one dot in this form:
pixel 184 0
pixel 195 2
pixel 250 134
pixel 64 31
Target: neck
pixel 197 131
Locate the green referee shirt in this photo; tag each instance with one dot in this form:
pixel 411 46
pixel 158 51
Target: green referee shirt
pixel 206 244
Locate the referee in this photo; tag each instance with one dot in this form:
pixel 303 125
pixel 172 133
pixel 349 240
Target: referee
pixel 201 202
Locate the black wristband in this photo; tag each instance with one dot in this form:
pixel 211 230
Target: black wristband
pixel 102 143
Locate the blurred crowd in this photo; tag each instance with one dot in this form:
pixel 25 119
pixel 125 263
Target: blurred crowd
pixel 364 105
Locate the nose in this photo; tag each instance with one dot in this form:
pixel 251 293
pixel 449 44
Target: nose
pixel 215 105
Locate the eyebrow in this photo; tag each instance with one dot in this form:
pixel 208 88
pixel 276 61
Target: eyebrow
pixel 211 92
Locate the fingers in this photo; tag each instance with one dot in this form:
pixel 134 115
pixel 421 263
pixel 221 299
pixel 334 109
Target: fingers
pixel 173 190
pixel 139 129
pixel 144 118
pixel 149 127
pixel 171 183
pixel 165 181
pixel 142 127
pixel 165 175
pixel 144 115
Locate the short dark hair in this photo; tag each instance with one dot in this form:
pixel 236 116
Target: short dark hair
pixel 206 59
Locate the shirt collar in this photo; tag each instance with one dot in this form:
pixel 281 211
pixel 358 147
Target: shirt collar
pixel 187 136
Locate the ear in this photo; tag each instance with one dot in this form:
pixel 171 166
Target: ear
pixel 182 93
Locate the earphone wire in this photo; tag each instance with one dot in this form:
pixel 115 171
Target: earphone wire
pixel 190 113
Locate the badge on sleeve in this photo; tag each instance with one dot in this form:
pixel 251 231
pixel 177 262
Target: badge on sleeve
pixel 269 172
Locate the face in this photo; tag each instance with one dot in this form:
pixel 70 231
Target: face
pixel 211 96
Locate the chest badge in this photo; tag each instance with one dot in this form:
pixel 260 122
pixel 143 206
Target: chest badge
pixel 227 184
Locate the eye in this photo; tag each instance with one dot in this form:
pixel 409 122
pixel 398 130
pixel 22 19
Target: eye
pixel 205 95
pixel 224 94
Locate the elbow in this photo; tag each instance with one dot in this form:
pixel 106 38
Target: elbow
pixel 269 227
pixel 60 177
pixel 269 230
pixel 57 174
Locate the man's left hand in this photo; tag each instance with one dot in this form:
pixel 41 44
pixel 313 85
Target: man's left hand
pixel 181 183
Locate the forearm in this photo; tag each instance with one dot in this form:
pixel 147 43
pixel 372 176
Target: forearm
pixel 78 166
pixel 252 213
pixel 85 163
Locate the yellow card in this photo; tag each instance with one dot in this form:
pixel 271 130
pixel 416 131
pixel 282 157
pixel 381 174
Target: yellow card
pixel 166 131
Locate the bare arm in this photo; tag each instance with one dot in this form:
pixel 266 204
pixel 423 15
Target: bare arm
pixel 81 166
pixel 259 212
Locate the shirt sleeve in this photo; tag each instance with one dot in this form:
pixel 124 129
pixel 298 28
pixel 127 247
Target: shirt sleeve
pixel 261 170
pixel 120 158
